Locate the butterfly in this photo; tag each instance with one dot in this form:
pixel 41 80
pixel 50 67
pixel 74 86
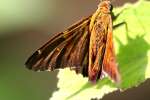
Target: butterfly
pixel 86 47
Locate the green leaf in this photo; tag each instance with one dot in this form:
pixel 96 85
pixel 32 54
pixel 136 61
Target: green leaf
pixel 132 47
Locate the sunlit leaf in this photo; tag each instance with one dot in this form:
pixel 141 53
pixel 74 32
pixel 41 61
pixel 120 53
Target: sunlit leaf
pixel 133 55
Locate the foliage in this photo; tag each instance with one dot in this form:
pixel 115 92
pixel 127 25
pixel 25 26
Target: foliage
pixel 133 55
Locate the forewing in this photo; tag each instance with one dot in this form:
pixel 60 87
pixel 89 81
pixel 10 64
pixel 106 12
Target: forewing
pixel 109 62
pixel 65 49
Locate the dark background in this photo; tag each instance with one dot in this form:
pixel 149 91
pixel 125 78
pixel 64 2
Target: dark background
pixel 24 26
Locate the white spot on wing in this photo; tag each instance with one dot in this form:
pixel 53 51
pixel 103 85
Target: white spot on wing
pixel 39 51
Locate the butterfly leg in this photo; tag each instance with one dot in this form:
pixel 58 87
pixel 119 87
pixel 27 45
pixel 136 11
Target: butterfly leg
pixel 115 17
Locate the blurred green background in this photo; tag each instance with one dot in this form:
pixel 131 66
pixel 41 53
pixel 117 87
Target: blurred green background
pixel 24 26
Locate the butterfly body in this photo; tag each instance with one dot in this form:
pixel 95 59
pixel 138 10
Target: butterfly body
pixel 100 24
pixel 86 47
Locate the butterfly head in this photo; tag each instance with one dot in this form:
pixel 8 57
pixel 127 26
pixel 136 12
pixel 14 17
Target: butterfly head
pixel 105 6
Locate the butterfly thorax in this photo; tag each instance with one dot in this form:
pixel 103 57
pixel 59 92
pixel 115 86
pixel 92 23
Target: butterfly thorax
pixel 104 8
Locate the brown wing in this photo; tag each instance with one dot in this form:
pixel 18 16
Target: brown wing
pixel 109 62
pixel 65 49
